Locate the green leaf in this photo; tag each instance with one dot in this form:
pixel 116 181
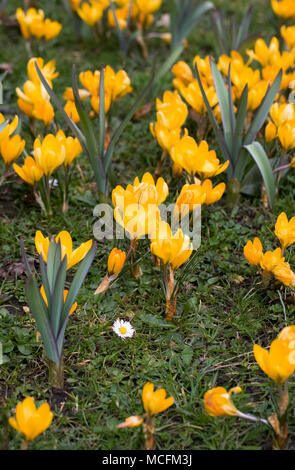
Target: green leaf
pixel 243 29
pixel 258 154
pixel 240 124
pixel 57 298
pixel 218 133
pixel 45 281
pixel 77 282
pixel 224 104
pixel 193 19
pixel 50 263
pixel 218 23
pixel 90 137
pixel 102 122
pixel 263 110
pixel 39 312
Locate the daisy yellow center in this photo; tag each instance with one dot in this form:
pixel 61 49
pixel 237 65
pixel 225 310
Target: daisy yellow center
pixel 123 330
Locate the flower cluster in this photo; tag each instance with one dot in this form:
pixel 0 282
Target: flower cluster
pixel 272 263
pixel 34 100
pixel 33 23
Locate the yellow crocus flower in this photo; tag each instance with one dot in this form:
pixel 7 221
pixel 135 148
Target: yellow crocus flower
pixel 253 251
pixel 29 21
pixel 285 230
pixel 73 257
pixel 30 172
pixel 284 8
pixel 155 401
pixel 217 402
pixel 172 111
pixel 51 29
pixel 49 154
pixel 213 194
pixel 29 420
pixel 286 135
pixel 182 71
pixel 91 12
pixel 116 261
pixel 283 273
pixel 171 249
pixel 166 138
pixel 288 33
pixel 9 128
pixel 71 110
pixel 11 148
pixel 144 192
pixel 196 158
pixel 146 7
pixel 72 146
pixel 271 259
pixel 278 363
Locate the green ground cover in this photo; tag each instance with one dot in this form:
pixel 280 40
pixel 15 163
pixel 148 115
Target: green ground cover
pixel 222 311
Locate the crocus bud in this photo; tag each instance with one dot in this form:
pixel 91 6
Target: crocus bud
pixel 131 422
pixel 116 261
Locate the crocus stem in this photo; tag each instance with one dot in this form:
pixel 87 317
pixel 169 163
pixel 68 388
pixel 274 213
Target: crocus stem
pixel 136 270
pixel 39 200
pixel 252 418
pixel 65 205
pixel 159 167
pixel 142 43
pixel 4 176
pixel 283 406
pixel 149 432
pixel 280 168
pixel 24 445
pixel 47 193
pixel 29 48
pixel 170 298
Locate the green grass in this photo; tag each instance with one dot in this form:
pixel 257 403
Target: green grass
pixel 222 311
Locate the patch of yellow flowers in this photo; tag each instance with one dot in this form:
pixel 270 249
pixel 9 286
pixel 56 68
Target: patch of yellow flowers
pixel 272 263
pixel 33 23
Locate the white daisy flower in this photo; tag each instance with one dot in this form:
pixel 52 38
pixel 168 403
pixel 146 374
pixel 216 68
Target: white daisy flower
pixel 123 329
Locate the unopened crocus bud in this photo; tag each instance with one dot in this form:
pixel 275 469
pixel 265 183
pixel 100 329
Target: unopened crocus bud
pixel 131 422
pixel 116 261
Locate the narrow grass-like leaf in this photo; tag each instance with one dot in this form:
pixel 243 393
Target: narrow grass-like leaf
pixel 58 297
pixel 258 154
pixel 263 110
pixel 193 19
pixel 77 282
pixel 243 29
pixel 45 281
pixel 91 140
pixel 50 263
pixel 231 106
pixel 240 124
pixel 61 335
pixel 218 133
pixel 217 20
pixel 223 101
pixel 40 314
pixel 102 123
